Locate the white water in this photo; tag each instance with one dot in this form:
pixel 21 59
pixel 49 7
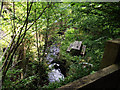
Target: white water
pixel 54 74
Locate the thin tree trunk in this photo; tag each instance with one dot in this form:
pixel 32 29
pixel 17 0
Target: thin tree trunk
pixel 1 8
pixel 39 16
pixel 46 34
pixel 21 36
pixel 13 49
pixel 14 32
pixel 37 36
pixel 11 44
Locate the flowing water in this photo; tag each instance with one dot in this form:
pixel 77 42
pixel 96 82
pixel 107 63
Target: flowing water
pixel 55 73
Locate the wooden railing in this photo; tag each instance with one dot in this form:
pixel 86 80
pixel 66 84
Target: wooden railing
pixel 109 74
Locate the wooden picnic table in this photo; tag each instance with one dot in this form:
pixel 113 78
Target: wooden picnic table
pixel 77 45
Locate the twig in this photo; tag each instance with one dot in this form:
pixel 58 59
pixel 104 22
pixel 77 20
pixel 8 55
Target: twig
pixel 4 54
pixel 39 16
pixel 5 35
pixel 5 40
pixel 36 19
pixel 19 36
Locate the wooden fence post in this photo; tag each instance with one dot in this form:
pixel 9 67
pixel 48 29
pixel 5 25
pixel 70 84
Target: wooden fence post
pixel 111 53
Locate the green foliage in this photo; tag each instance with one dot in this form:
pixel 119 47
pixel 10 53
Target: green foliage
pixel 91 23
pixel 36 76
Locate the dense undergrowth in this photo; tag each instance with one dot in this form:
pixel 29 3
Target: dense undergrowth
pixel 86 22
pixel 93 56
pixel 74 67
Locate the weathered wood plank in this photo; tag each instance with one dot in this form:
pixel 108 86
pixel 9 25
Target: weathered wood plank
pixel 82 82
pixel 83 50
pixel 77 45
pixel 69 48
pixel 111 53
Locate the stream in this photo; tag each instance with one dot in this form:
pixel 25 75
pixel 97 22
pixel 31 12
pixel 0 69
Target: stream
pixel 55 73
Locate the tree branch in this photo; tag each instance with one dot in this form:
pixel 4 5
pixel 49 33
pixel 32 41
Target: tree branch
pixel 39 15
pixel 1 8
pixel 6 65
pixel 37 19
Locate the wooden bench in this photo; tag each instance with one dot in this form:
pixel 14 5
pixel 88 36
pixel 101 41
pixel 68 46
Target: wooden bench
pixel 69 48
pixel 77 45
pixel 83 50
